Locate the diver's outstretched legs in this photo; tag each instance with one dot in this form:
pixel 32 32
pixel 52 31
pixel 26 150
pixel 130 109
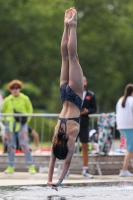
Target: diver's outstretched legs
pixel 64 77
pixel 75 71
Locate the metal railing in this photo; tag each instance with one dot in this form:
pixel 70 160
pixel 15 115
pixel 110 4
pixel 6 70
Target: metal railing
pixel 49 118
pixel 44 124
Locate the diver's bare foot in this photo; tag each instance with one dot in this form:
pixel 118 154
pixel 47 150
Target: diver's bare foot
pixel 73 19
pixel 68 15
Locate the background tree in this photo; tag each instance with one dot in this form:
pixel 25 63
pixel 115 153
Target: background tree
pixel 30 46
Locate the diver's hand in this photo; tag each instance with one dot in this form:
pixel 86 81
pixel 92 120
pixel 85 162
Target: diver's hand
pixel 53 185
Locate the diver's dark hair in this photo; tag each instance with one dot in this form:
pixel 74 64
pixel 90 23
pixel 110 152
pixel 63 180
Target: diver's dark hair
pixel 128 92
pixel 60 148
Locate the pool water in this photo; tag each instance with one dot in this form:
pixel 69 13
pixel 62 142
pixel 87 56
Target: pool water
pixel 98 191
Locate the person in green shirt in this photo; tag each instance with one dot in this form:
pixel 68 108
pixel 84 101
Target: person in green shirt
pixel 17 102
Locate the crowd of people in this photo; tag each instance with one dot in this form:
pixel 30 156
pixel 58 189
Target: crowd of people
pixel 77 104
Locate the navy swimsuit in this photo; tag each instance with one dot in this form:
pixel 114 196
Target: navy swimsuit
pixel 67 94
pixel 64 121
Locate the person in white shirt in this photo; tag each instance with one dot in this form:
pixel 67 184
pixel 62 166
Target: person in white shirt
pixel 124 120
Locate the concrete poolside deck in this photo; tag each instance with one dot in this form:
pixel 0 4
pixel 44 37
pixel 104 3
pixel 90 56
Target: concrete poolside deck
pixel 18 179
pixel 109 165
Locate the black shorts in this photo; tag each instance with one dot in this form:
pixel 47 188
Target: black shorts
pixel 84 135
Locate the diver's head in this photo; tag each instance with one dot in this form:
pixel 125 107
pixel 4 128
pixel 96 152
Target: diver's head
pixel 60 148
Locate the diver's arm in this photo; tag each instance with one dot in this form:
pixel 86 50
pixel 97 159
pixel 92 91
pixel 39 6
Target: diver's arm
pixel 51 166
pixel 71 147
pixel 66 165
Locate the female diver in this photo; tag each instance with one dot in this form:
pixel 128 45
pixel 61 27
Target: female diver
pixel 71 90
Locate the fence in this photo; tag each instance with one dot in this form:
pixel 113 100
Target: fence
pixel 44 124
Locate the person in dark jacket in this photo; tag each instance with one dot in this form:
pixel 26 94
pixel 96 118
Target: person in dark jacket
pixel 88 107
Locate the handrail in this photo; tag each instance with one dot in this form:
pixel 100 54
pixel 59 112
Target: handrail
pixel 43 129
pixel 39 115
pixel 29 115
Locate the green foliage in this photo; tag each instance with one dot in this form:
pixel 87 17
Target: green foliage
pixel 30 47
pixel 54 104
pixel 31 90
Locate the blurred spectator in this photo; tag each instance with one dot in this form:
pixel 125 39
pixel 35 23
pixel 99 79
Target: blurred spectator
pixel 19 103
pixel 122 142
pixel 88 107
pixel 35 135
pixel 105 125
pixel 32 132
pixel 124 120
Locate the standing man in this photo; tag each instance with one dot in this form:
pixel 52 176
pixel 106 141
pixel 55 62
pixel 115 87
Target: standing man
pixel 17 102
pixel 88 107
